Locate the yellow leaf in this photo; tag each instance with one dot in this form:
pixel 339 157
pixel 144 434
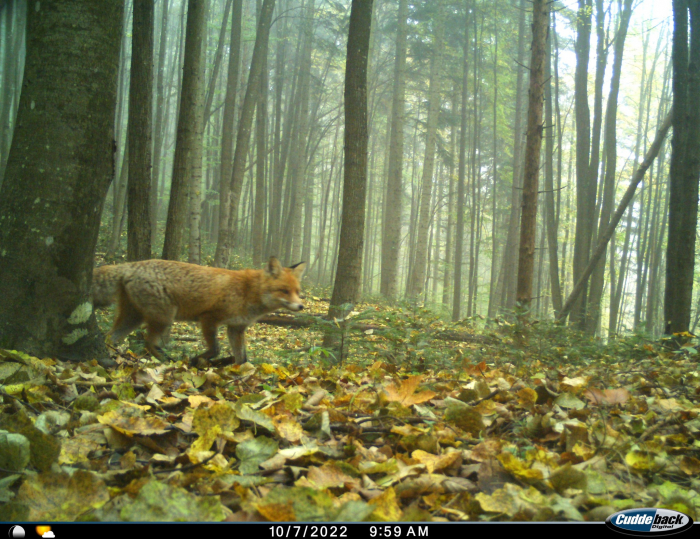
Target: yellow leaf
pixel 519 468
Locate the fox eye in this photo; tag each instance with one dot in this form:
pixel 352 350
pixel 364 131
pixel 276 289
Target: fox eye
pixel 284 290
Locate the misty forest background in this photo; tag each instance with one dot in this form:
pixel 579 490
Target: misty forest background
pixel 247 126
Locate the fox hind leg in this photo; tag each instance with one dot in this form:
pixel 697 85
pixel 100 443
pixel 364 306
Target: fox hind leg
pixel 236 338
pixel 154 331
pixel 128 319
pixel 209 329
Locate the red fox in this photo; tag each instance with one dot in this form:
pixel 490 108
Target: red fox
pixel 159 292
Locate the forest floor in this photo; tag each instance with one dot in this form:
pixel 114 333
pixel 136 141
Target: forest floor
pixel 525 422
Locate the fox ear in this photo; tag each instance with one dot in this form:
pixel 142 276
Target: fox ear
pixel 298 269
pixel 273 267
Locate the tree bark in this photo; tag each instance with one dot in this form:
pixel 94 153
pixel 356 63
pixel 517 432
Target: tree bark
pixel 138 244
pixel 685 166
pixel 598 279
pixel 461 173
pixel 493 281
pixel 158 126
pixel 218 57
pixel 393 202
pixel 59 169
pixel 551 218
pixel 420 266
pixel 508 275
pixel 584 216
pixel 604 238
pixel 12 71
pixel 246 122
pixel 533 145
pixel 187 130
pixel 349 270
pixel 261 155
pixel 223 238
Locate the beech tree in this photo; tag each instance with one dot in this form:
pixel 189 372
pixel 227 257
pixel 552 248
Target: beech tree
pixel 685 166
pixel 59 169
pixel 347 281
pixel 526 258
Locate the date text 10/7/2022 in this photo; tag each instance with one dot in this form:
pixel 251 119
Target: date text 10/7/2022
pixel 324 531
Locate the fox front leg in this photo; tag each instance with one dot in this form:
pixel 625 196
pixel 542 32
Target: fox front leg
pixel 236 337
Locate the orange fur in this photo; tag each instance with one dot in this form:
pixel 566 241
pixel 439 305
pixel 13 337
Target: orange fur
pixel 158 292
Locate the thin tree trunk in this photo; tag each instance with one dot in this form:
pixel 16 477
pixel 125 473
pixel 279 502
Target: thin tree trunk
pixel 508 275
pixel 449 240
pixel 349 270
pixel 158 127
pixel 474 228
pixel 461 173
pixel 493 281
pixel 685 167
pixel 119 203
pixel 550 214
pixel 246 120
pixel 138 245
pixel 261 158
pixel 528 222
pixel 584 216
pixel 224 237
pixel 434 98
pixel 604 238
pixel 597 280
pixel 394 191
pixel 209 99
pixel 187 130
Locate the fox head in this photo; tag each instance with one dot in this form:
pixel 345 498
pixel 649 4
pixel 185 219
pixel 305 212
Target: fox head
pixel 281 288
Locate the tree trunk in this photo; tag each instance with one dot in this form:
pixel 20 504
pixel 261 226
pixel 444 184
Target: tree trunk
pixel 246 122
pixel 261 158
pixel 158 127
pixel 393 202
pixel 528 222
pixel 58 171
pixel 551 218
pixel 187 130
pixel 223 238
pixel 604 238
pixel 138 244
pixel 508 275
pixel 461 173
pixel 475 229
pixel 349 270
pixel 119 210
pixel 297 161
pixel 449 240
pixel 434 97
pixel 584 215
pixel 11 78
pixel 597 281
pixel 493 281
pixel 685 166
pixel 218 57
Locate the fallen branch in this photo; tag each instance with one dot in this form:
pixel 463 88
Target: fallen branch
pixel 310 320
pixel 609 231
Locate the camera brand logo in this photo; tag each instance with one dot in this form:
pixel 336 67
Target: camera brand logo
pixel 649 522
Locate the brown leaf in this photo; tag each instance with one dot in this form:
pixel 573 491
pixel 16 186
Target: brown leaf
pixel 607 396
pixel 404 393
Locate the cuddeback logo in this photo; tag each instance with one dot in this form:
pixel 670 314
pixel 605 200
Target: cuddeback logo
pixel 649 522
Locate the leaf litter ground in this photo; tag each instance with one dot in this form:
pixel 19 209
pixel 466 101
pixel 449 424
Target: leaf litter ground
pixel 541 424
